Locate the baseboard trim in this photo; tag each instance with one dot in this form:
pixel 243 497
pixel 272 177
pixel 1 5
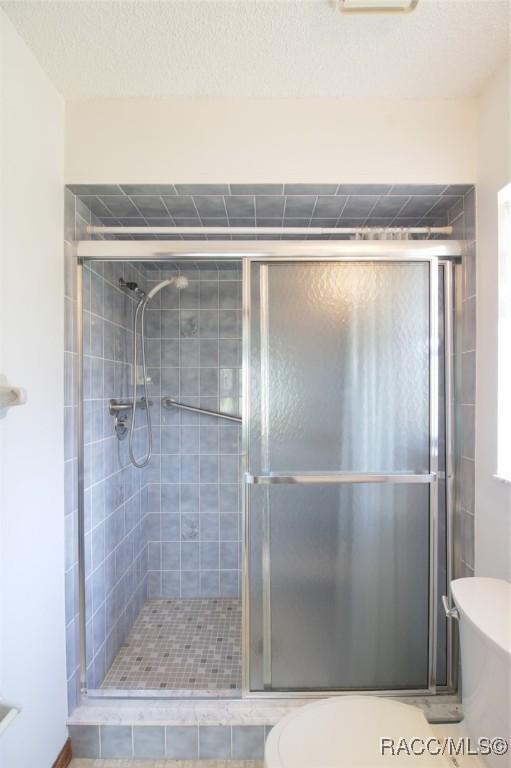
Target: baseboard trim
pixel 64 757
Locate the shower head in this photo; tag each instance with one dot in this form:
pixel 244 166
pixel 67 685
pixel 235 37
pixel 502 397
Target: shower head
pixel 180 282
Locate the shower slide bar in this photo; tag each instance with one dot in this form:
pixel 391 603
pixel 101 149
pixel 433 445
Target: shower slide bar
pixel 117 406
pixel 307 478
pixel 168 402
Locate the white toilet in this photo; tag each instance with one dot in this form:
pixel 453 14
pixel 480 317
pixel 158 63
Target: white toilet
pixel 345 732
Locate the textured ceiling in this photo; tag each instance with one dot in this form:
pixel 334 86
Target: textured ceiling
pixel 257 48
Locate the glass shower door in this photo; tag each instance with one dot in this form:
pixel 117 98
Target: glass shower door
pixel 340 481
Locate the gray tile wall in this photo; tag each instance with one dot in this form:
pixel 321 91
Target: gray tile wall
pixel 115 491
pixel 462 217
pixel 194 356
pixel 115 498
pixel 268 205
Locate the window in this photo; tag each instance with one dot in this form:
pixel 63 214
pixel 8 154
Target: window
pixel 504 330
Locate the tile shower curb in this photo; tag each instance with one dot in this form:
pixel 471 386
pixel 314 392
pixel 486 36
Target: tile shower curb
pixel 176 742
pixel 185 729
pixel 189 730
pixel 225 712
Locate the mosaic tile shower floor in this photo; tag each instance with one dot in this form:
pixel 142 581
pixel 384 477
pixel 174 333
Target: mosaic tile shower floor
pixel 181 643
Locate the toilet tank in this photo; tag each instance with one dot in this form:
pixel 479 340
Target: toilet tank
pixel 484 607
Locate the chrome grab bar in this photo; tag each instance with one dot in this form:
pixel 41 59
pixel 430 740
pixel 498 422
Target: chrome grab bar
pixel 168 402
pixel 118 406
pixel 307 478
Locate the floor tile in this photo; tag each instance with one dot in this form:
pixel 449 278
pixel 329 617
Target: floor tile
pixel 181 643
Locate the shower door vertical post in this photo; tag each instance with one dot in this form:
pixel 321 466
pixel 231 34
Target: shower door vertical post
pixel 448 272
pixel 265 467
pixel 433 468
pixel 245 502
pixel 80 480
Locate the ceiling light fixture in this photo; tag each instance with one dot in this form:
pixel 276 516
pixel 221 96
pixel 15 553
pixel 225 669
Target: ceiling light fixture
pixel 382 6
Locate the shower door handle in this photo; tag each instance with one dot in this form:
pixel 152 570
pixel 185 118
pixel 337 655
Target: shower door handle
pixel 338 478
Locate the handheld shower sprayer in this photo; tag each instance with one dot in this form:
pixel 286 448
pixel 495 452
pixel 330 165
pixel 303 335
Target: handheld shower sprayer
pixel 178 282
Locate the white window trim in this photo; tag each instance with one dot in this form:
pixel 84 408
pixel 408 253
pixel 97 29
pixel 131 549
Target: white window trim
pixel 504 339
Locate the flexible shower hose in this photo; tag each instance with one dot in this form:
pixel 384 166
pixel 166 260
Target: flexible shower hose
pixel 140 463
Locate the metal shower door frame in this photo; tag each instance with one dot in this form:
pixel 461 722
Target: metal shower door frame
pixel 434 263
pixel 443 252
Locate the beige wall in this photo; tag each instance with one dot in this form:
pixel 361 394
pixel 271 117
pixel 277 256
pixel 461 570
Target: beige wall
pixel 32 637
pixel 492 498
pixel 162 141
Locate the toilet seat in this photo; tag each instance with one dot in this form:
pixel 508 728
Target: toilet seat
pixel 344 732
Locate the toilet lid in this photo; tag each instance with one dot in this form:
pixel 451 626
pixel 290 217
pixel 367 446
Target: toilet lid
pixel 345 732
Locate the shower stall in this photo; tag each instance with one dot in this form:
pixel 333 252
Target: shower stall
pixel 290 531
pixel 161 482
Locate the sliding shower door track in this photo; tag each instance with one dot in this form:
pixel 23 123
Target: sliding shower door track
pixel 157 693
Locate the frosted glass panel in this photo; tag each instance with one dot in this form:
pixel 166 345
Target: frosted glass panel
pixel 344 366
pixel 349 586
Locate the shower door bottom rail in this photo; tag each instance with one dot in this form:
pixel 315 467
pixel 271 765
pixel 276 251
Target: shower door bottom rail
pixel 337 478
